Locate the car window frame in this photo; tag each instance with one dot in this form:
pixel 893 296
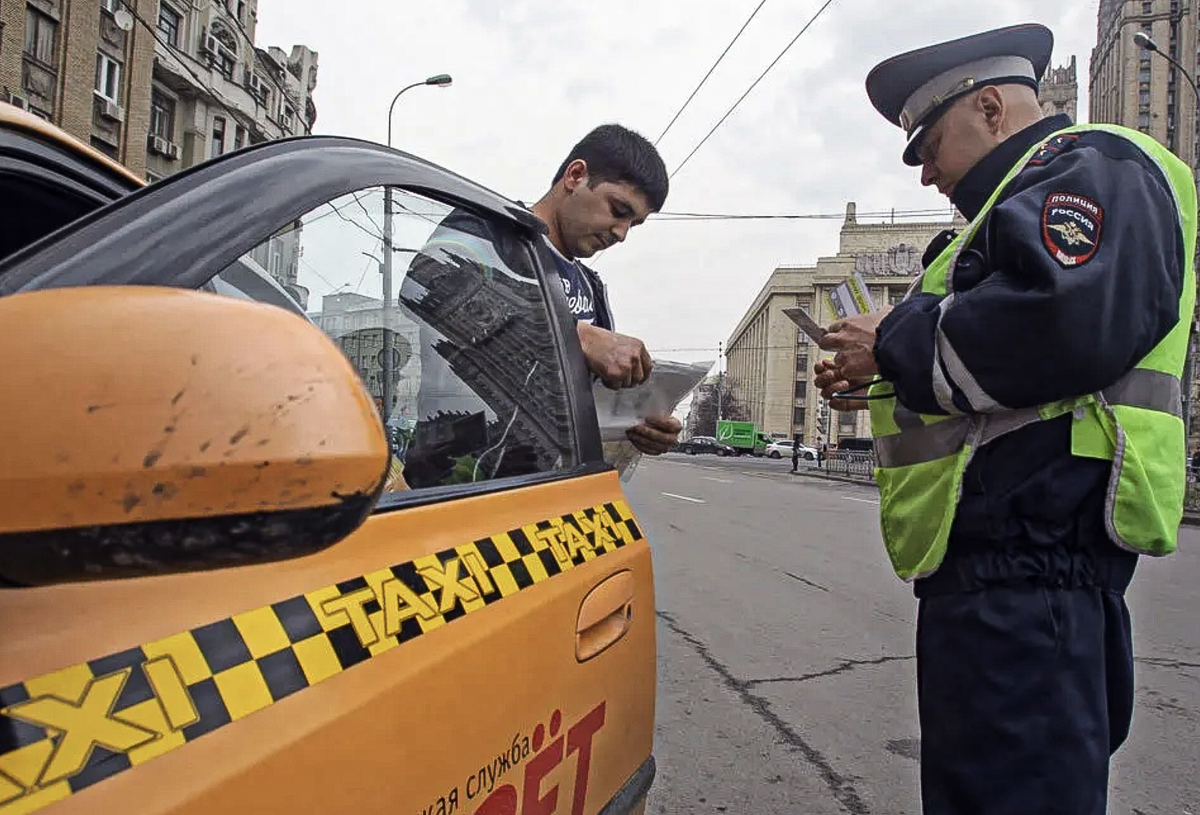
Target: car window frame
pixel 165 235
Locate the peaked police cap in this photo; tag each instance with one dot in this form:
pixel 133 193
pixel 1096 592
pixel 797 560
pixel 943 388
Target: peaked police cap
pixel 914 89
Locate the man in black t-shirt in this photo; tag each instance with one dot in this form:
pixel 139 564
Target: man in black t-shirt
pixel 608 183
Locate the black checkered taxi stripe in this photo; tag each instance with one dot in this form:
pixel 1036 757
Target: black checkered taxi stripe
pixel 62 732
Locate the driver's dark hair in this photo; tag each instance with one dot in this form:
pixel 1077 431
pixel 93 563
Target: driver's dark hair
pixel 617 154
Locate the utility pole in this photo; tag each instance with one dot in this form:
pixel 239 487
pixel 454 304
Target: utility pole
pixel 720 376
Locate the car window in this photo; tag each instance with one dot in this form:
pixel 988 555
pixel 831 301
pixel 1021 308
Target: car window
pixel 462 333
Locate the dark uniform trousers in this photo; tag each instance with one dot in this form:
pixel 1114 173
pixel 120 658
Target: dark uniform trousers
pixel 1024 679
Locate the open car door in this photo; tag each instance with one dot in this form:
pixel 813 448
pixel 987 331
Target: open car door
pixel 483 642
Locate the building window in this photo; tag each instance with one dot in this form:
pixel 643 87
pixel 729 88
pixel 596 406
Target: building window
pixel 239 137
pixel 225 64
pixel 1144 98
pixel 162 116
pixel 1144 120
pixel 1147 6
pixel 168 24
pixel 111 6
pixel 108 77
pixel 218 137
pixel 104 147
pixel 802 389
pixel 798 417
pixel 41 36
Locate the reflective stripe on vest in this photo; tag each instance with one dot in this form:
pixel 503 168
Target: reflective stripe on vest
pixel 1136 423
pixel 920 442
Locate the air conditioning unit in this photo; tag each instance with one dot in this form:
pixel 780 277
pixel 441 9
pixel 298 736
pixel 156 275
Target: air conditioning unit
pixel 111 110
pixel 18 101
pixel 257 86
pixel 163 147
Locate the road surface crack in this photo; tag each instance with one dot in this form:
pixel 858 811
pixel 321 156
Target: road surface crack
pixel 1174 664
pixel 842 667
pixel 806 581
pixel 839 785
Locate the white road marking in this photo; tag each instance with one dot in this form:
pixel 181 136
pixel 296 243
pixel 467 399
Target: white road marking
pixel 861 500
pixel 684 498
pixel 718 480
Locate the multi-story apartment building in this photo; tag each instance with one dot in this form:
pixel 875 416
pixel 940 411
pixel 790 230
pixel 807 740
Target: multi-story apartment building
pixel 83 67
pixel 215 91
pixel 159 85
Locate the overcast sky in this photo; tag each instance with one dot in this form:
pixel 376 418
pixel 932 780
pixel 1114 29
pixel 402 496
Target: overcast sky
pixel 532 76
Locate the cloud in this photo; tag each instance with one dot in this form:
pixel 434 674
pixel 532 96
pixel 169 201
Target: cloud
pixel 531 76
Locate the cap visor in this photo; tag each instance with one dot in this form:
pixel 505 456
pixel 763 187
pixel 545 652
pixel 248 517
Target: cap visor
pixel 914 143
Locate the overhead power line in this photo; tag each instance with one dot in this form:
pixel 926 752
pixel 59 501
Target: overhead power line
pixel 788 216
pixel 736 36
pixel 753 84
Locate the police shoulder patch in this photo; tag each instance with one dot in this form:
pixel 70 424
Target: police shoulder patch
pixel 1052 148
pixel 1071 228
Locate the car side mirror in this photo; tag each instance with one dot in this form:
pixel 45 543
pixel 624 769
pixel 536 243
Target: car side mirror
pixel 152 430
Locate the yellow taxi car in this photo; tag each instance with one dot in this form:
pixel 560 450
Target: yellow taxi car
pixel 211 602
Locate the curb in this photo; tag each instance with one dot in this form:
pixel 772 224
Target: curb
pixel 1189 518
pixel 843 479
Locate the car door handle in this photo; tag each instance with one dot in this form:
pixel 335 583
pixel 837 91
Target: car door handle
pixel 604 616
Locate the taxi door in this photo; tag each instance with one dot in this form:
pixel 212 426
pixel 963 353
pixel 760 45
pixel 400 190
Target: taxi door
pixel 483 643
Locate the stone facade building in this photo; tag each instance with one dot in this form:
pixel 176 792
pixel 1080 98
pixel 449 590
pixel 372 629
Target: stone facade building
pixel 1130 86
pixel 70 62
pixel 1059 91
pixel 158 85
pixel 214 91
pixel 769 361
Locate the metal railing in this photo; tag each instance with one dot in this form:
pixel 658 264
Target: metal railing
pixel 861 467
pixel 849 464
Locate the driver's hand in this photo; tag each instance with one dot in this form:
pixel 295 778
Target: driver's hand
pixel 619 361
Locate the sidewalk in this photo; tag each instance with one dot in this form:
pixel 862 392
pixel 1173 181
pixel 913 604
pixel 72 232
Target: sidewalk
pixel 1191 517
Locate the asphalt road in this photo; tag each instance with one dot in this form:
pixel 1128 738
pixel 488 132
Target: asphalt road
pixel 786 671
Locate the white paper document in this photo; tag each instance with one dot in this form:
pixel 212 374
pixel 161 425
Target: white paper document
pixel 668 385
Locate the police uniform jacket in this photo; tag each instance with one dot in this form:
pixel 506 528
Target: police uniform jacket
pixel 1033 330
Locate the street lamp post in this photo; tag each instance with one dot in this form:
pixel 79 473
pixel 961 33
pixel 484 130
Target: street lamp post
pixel 439 81
pixel 1143 40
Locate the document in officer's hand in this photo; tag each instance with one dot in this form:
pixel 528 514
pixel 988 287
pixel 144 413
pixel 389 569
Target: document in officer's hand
pixel 806 323
pixel 848 299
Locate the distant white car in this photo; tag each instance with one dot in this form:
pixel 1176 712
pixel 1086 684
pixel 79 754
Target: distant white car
pixel 783 449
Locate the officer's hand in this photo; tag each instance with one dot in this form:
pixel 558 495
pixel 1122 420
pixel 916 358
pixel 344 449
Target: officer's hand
pixel 619 361
pixel 656 435
pixel 854 341
pixel 829 380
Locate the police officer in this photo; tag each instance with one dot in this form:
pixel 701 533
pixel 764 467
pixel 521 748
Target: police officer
pixel 1025 399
